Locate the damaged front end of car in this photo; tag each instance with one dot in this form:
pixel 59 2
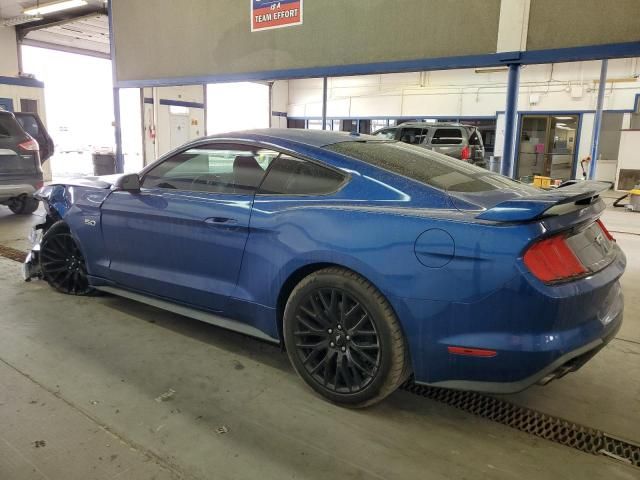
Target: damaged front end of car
pixel 53 198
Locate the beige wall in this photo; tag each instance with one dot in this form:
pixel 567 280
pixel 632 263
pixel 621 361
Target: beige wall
pixel 170 39
pixel 572 23
pixel 8 52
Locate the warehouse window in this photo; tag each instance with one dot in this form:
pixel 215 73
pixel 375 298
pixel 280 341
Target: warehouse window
pixel 292 176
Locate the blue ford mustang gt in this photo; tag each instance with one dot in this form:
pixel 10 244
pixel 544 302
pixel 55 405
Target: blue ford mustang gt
pixel 370 260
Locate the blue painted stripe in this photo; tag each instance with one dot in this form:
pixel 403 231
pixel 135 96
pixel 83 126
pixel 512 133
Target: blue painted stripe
pixel 179 103
pixel 21 82
pixel 592 52
pixel 278 114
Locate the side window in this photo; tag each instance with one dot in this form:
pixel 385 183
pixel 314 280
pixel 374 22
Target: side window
pixel 212 168
pixel 387 133
pixel 475 139
pixel 292 176
pixel 447 136
pixel 29 124
pixel 413 136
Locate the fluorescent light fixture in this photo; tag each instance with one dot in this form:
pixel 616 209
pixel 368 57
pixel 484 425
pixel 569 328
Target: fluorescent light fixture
pixel 563 118
pixel 52 7
pixel 492 69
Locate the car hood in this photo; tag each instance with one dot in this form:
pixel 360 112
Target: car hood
pixel 103 182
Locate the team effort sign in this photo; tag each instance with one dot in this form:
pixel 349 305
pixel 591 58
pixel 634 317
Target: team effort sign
pixel 266 14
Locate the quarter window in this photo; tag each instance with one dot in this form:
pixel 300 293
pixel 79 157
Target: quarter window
pixel 292 176
pixel 212 168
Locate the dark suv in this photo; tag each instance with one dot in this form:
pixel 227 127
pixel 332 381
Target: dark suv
pixel 20 171
pixel 456 140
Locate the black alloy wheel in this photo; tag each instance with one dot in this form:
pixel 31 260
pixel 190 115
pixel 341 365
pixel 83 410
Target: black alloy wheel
pixel 337 341
pixel 343 338
pixel 62 263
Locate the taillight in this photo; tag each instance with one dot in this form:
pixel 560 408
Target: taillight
pixel 466 153
pixel 552 260
pixel 39 185
pixel 606 232
pixel 29 145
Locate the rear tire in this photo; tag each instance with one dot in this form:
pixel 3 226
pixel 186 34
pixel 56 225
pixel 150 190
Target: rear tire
pixel 62 263
pixel 24 205
pixel 343 338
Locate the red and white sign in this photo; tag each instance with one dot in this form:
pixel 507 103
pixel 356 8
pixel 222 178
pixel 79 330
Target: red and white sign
pixel 268 14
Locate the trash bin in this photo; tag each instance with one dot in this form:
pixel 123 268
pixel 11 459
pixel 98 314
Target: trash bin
pixel 104 164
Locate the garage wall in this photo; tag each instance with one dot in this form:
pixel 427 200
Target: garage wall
pixel 571 23
pixel 453 93
pixel 213 37
pixel 157 118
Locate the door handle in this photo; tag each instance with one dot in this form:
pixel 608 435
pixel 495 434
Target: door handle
pixel 220 221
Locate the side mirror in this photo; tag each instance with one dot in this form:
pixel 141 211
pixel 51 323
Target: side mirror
pixel 128 183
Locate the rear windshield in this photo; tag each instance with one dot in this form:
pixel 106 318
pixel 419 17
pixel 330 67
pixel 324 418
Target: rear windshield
pixel 428 167
pixel 447 136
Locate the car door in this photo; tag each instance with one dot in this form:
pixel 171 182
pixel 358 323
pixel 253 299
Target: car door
pixel 182 237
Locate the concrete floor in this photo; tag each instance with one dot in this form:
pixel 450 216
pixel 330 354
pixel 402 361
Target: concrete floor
pixel 117 389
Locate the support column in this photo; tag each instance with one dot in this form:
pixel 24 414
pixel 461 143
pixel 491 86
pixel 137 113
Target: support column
pixel 116 95
pixel 118 131
pixel 325 91
pixel 597 123
pixel 511 118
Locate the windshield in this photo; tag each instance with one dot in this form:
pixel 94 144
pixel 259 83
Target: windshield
pixel 428 167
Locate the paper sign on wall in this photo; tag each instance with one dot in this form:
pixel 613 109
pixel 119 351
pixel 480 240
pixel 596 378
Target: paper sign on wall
pixel 268 14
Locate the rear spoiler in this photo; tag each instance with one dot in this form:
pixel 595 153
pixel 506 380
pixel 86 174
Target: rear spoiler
pixel 534 206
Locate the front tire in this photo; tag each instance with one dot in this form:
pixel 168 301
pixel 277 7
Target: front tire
pixel 343 338
pixel 62 263
pixel 24 205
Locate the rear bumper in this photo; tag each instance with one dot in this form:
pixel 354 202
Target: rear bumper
pixel 537 332
pixel 8 192
pixel 564 364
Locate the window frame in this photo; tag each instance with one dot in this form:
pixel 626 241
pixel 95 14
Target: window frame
pixel 346 177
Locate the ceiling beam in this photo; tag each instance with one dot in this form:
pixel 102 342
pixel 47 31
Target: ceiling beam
pixel 61 18
pixel 65 48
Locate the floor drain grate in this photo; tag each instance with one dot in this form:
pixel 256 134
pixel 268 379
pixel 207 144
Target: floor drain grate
pixel 12 253
pixel 531 421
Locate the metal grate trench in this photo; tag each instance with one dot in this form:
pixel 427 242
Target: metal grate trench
pixel 533 422
pixel 524 419
pixel 12 253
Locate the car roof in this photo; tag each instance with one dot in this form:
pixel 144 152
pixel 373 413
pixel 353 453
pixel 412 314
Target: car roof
pixel 434 124
pixel 313 138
